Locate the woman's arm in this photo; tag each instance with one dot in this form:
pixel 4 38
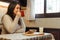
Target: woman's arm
pixel 23 24
pixel 10 25
pixel 22 27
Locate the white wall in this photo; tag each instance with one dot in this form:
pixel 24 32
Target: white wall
pixel 48 22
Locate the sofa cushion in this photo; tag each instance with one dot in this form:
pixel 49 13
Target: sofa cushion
pixel 3 9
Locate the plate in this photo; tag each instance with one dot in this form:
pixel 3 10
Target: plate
pixel 29 34
pixel 35 33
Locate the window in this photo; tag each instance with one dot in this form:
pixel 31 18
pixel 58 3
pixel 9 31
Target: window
pixel 47 8
pixel 52 6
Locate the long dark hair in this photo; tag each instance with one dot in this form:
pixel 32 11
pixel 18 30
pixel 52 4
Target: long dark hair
pixel 10 12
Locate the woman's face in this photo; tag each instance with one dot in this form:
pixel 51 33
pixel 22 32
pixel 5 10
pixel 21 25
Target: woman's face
pixel 16 9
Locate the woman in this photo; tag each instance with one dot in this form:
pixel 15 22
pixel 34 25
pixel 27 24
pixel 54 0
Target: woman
pixel 12 21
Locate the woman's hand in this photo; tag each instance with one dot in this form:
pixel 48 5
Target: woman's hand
pixel 18 14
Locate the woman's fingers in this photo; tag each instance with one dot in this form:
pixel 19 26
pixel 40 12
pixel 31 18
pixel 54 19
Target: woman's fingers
pixel 19 13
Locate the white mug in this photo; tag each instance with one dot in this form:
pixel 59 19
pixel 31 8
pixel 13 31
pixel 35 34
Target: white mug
pixel 41 30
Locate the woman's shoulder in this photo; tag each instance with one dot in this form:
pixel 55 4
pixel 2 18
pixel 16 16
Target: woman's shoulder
pixel 7 16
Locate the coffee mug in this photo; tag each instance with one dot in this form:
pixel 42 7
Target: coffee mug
pixel 22 13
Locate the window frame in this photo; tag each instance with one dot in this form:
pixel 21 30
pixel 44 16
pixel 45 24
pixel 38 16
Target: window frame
pixel 47 15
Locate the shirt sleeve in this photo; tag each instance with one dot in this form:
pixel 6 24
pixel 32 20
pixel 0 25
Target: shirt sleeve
pixel 23 24
pixel 10 25
pixel 22 27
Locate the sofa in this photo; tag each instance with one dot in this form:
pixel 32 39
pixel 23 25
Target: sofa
pixel 3 10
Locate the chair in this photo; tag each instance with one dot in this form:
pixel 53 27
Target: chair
pixel 3 10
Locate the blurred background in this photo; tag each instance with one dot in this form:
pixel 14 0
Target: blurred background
pixel 23 2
